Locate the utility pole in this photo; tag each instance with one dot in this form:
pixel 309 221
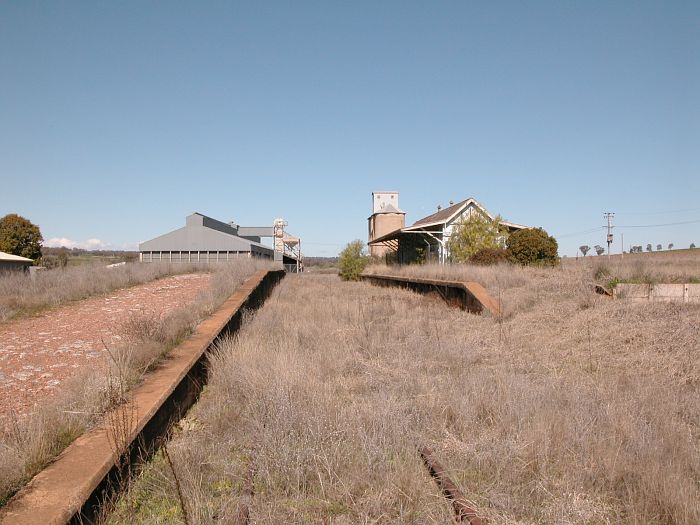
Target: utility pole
pixel 609 216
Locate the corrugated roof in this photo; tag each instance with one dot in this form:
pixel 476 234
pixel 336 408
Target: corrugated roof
pixel 13 258
pixel 445 215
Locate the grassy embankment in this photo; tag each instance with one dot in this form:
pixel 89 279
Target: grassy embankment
pixel 22 295
pixel 570 408
pixel 29 442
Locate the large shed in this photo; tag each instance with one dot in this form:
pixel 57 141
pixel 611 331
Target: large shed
pixel 204 239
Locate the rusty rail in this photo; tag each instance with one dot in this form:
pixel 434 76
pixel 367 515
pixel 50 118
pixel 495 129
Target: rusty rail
pixel 75 487
pixel 463 511
pixel 243 514
pixel 469 295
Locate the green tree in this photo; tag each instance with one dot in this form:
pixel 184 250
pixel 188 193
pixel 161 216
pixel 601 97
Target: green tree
pixel 19 236
pixel 489 256
pixel 352 261
pixel 474 234
pixel 532 246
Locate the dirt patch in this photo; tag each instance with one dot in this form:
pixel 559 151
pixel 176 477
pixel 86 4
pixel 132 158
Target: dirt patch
pixel 38 354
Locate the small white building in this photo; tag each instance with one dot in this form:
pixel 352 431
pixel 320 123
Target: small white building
pixel 14 263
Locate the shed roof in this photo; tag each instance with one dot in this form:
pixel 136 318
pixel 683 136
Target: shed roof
pixel 449 213
pixel 445 215
pixel 441 218
pixel 8 257
pixel 202 233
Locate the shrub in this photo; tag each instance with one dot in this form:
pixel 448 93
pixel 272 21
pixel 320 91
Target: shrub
pixel 474 234
pixel 489 256
pixel 353 261
pixel 532 246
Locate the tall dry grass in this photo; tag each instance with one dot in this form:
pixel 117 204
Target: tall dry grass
pixel 28 443
pixel 571 409
pixel 680 266
pixel 21 293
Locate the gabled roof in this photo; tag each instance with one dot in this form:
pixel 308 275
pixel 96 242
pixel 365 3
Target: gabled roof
pixel 446 215
pixel 449 214
pixel 8 257
pixel 443 217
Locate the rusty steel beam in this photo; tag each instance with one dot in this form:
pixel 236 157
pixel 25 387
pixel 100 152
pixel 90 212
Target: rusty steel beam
pixel 464 513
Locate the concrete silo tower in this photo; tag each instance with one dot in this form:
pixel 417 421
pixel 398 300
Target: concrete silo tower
pixel 386 217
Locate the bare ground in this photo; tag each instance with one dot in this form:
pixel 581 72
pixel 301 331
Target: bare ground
pixel 39 353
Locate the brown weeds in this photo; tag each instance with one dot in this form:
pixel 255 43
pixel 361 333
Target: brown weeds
pixel 29 442
pixel 558 412
pixel 22 294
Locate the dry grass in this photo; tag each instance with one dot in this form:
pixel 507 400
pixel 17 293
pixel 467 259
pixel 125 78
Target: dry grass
pixel 21 294
pixel 681 266
pixel 28 443
pixel 571 409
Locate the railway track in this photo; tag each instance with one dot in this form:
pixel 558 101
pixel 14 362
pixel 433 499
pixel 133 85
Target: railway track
pixel 463 511
pixel 90 473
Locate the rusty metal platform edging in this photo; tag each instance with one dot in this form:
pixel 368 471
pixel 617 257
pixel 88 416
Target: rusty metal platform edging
pixel 73 488
pixel 464 512
pixel 470 296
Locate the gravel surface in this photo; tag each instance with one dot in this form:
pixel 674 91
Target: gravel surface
pixel 37 354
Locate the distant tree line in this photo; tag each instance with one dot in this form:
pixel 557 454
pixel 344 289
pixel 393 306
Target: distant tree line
pixel 584 249
pixel 321 262
pixel 76 252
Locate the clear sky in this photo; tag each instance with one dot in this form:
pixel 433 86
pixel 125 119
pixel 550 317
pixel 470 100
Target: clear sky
pixel 118 119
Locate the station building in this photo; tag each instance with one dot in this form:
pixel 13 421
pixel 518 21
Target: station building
pixel 391 239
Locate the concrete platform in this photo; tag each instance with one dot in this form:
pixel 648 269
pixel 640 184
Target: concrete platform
pixel 659 292
pixel 470 296
pixel 72 488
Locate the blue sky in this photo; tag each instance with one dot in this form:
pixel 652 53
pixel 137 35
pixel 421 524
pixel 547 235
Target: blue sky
pixel 118 119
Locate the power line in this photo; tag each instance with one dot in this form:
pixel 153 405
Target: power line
pixel 583 232
pixel 593 230
pixel 658 212
pixel 658 225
